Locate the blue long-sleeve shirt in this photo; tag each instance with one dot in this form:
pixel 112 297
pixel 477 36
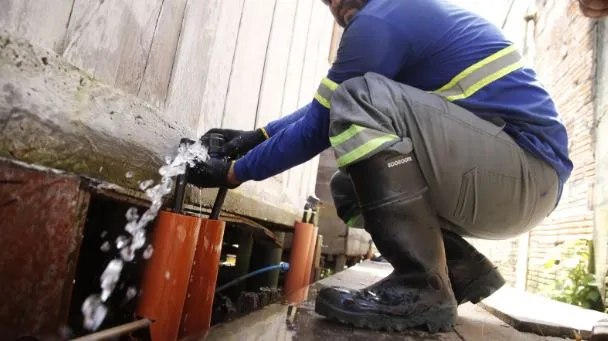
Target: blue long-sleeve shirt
pixel 425 44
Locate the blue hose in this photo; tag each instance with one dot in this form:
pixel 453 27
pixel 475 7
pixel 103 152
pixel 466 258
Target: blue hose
pixel 282 266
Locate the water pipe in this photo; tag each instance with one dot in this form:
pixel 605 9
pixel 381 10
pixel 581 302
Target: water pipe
pixel 283 266
pixel 216 144
pixel 180 183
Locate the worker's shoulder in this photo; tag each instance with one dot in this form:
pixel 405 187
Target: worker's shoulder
pixel 427 9
pixel 418 15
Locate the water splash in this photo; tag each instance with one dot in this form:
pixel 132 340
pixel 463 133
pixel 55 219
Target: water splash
pixel 148 252
pixel 105 247
pixel 94 307
pixel 144 185
pixel 94 312
pixel 110 277
pixel 131 293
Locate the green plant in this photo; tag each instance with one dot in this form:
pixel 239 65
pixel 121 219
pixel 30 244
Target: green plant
pixel 572 264
pixel 326 272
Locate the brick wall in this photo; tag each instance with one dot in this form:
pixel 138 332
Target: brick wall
pixel 601 156
pixel 561 48
pixel 564 60
pixel 503 254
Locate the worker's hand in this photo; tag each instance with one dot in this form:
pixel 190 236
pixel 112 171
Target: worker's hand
pixel 213 173
pixel 594 9
pixel 237 142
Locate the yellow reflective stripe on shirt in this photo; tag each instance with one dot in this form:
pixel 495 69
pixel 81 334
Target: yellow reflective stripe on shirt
pixel 482 73
pixel 325 91
pixel 345 135
pixel 485 81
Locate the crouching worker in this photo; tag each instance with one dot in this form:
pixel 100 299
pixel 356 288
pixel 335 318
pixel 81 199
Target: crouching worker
pixel 439 131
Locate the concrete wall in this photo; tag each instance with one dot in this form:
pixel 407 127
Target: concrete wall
pixel 105 87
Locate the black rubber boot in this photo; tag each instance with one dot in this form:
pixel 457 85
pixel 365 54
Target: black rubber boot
pixel 472 275
pixel 404 227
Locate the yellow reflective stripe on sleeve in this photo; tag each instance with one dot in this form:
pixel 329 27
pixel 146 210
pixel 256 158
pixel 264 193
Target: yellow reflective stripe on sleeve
pixel 265 133
pixel 482 73
pixel 324 102
pixel 330 84
pixel 364 149
pixel 325 91
pixel 345 135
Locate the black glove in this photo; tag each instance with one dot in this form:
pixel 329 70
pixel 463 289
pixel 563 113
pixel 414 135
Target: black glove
pixel 237 142
pixel 210 174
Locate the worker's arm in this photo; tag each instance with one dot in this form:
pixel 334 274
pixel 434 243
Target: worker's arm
pixel 368 45
pixel 276 126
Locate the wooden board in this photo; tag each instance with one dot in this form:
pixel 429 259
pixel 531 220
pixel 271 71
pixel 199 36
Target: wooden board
pixel 277 59
pixel 218 75
pixel 43 22
pixel 316 30
pixel 192 64
pixel 299 180
pixel 154 84
pixel 303 324
pixel 140 29
pixel 97 36
pixel 533 313
pixel 248 67
pixel 297 52
pixel 291 91
pixel 475 323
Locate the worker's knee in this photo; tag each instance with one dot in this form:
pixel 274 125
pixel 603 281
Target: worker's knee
pixel 361 89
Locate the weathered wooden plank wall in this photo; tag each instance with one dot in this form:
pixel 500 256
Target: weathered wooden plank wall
pixel 222 57
pixel 201 64
pixel 154 85
pixel 248 66
pixel 42 22
pixel 192 62
pixel 291 94
pixel 277 58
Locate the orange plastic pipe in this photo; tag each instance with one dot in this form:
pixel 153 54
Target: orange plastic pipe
pixel 196 318
pixel 167 272
pixel 298 262
pixel 309 259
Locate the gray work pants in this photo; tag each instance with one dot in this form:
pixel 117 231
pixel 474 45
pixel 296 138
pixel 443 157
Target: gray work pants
pixel 481 182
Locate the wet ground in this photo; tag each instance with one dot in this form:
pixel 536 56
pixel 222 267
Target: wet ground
pixel 284 323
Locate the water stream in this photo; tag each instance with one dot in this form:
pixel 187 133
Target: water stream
pixel 94 308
